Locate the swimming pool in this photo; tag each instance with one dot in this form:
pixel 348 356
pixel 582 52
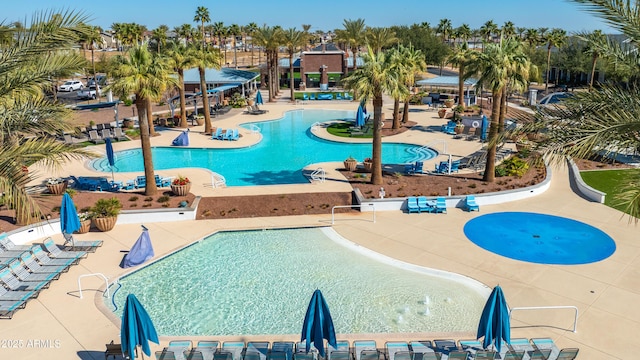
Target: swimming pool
pixel 286 148
pixel 540 238
pixel 260 282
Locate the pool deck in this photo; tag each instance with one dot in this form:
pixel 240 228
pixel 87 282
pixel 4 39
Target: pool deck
pixel 60 325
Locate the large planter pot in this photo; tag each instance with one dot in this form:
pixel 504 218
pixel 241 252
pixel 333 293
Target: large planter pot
pixel 85 226
pixel 181 190
pixel 458 129
pixel 350 165
pixel 128 123
pixel 449 103
pixel 57 189
pixel 200 121
pixel 442 113
pixel 368 165
pixel 105 223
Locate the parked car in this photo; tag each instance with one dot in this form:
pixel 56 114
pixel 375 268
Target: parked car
pixel 71 85
pixel 89 93
pixel 102 80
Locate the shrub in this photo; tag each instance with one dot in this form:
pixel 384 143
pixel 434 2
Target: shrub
pixel 133 198
pixel 514 166
pixel 106 208
pixel 163 199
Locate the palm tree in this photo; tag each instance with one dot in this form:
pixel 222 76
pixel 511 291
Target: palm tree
pixel 408 62
pixel 354 33
pixel 204 58
pixel 596 42
pixel 508 29
pixel 160 36
pixel 202 16
pixel 90 38
pixel 179 58
pixel 460 57
pixel 532 37
pixel 251 29
pixel 444 28
pixel 556 38
pixel 379 38
pixel 293 39
pixel 147 77
pixel 27 63
pixel 234 31
pixel 184 31
pixel 376 77
pixel 464 32
pixel 500 65
pixel 270 38
pixel 487 30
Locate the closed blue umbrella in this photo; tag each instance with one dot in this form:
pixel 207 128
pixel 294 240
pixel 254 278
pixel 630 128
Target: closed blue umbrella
pixel 363 105
pixel 494 322
pixel 69 221
pixel 258 98
pixel 360 117
pixel 136 328
pixel 318 324
pixel 110 156
pixel 141 251
pixel 485 128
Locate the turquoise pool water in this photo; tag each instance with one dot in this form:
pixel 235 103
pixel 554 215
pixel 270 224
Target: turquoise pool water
pixel 540 238
pixel 260 282
pixel 286 148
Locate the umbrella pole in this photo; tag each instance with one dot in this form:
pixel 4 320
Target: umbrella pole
pixel 113 179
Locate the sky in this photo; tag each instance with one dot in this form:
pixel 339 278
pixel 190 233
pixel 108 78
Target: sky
pixel 322 15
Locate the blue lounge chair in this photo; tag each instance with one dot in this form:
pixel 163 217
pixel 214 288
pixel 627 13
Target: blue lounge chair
pixel 12 301
pixel 418 167
pixel 412 205
pixel 178 347
pixel 424 206
pixel 24 275
pixel 71 244
pixel 222 355
pixel 305 356
pixel 546 344
pixel 514 355
pixel 441 205
pixel 281 350
pixel 235 348
pixel 162 181
pixel 312 97
pixel 568 354
pixel 397 350
pixel 484 355
pixel 7 244
pixel 129 185
pixel 13 283
pixel 305 96
pixel 408 169
pixel 56 253
pixel 365 350
pixel 30 262
pixel 165 355
pixel 216 135
pixel 207 348
pixel 259 348
pixel 347 96
pixel 470 203
pixel 338 96
pixel 235 135
pixel 141 182
pixel 341 351
pixel 445 346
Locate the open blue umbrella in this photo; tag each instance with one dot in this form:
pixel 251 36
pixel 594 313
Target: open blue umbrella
pixel 110 156
pixel 318 324
pixel 136 328
pixel 494 322
pixel 360 117
pixel 258 98
pixel 485 128
pixel 69 221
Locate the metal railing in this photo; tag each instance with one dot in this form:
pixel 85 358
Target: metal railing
pixel 431 144
pixel 218 180
pixel 106 283
pixel 333 220
pixel 254 128
pixel 318 175
pixel 575 318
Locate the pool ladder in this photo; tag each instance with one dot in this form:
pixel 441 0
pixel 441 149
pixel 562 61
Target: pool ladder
pixel 318 175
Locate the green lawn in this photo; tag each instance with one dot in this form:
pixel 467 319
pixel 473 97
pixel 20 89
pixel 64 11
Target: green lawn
pixel 610 182
pixel 342 129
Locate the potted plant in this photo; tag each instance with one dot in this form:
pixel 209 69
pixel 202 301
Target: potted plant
pixel 200 120
pixel 104 213
pixel 127 123
pixel 442 112
pixel 449 103
pixel 457 117
pixel 350 163
pixel 56 186
pixel 85 222
pixel 368 164
pixel 181 185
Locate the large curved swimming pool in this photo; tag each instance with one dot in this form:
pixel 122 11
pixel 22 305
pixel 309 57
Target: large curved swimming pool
pixel 286 148
pixel 260 282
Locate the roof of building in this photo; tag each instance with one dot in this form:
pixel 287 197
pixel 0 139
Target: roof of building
pixel 446 81
pixel 222 76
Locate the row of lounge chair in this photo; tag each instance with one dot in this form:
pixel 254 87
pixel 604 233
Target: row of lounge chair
pixel 102 184
pixel 415 168
pixel 420 204
pixel 228 134
pixel 25 270
pixel 327 96
pixel 255 110
pixel 518 349
pixel 443 167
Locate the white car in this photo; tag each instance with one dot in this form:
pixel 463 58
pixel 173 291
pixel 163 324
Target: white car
pixel 71 85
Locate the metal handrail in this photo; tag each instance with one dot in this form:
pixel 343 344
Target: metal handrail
pixel 575 318
pixel 316 172
pixel 254 128
pixel 106 282
pixel 430 145
pixel 333 220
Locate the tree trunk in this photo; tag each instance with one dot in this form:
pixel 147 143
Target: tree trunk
pixel 546 81
pixel 490 167
pixel 183 100
pixel 396 113
pixel 503 110
pixel 405 111
pixel 145 143
pixel 205 102
pixel 593 70
pixel 376 156
pixel 291 79
pixel 461 86
pixel 152 129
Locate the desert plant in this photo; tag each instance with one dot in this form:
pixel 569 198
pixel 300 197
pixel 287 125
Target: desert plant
pixel 106 208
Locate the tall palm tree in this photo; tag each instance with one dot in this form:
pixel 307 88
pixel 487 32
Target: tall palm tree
pixel 27 63
pixel 460 57
pixel 202 16
pixel 234 31
pixel 487 30
pixel 184 31
pixel 293 39
pixel 179 58
pixel 408 61
pixel 270 38
pixel 500 65
pixel 596 43
pixel 203 58
pixel 464 32
pixel 376 77
pixel 379 38
pixel 90 38
pixel 354 32
pixel 147 77
pixel 444 28
pixel 250 30
pixel 508 29
pixel 160 36
pixel 532 37
pixel 556 38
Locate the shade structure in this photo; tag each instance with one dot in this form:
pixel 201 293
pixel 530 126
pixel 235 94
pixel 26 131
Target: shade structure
pixel 318 324
pixel 110 156
pixel 258 98
pixel 485 128
pixel 136 328
pixel 360 117
pixel 69 221
pixel 182 139
pixel 141 251
pixel 494 322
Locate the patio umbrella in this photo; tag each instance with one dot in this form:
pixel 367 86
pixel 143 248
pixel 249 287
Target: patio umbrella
pixel 360 117
pixel 136 328
pixel 69 221
pixel 318 324
pixel 110 156
pixel 363 105
pixel 258 98
pixel 485 128
pixel 494 322
pixel 141 251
